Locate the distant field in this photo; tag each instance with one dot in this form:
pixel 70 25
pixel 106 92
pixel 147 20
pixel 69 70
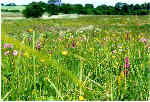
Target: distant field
pixel 13 7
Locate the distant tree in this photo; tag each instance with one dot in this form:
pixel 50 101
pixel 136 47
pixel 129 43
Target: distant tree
pixel 33 10
pixel 52 9
pixel 66 8
pixel 43 4
pixel 2 4
pixel 11 4
pixel 90 6
pixel 125 9
pixel 78 8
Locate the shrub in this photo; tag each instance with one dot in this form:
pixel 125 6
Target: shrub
pixel 33 10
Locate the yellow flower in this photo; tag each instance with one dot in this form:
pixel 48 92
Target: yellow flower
pixel 42 60
pixel 30 30
pixel 120 78
pixel 64 53
pixel 26 54
pixel 81 98
pixel 46 78
pixel 91 49
pixel 113 56
pixel 113 35
pixel 122 75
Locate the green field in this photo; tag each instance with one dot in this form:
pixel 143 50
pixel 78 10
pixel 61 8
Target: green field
pixel 89 58
pixel 13 7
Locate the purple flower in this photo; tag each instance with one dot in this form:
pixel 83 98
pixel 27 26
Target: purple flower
pixel 15 53
pixel 6 53
pixel 38 46
pixel 127 64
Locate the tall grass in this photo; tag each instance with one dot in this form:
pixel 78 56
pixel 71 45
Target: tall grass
pixel 102 59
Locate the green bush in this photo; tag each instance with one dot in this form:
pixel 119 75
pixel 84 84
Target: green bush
pixel 34 10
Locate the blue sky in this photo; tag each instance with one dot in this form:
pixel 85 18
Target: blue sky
pixel 95 2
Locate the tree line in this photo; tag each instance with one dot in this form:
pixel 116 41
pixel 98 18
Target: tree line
pixel 37 9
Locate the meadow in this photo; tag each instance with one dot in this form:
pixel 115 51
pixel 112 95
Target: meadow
pixel 13 7
pixel 88 58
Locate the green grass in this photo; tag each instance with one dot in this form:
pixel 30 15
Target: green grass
pixel 13 7
pixel 75 59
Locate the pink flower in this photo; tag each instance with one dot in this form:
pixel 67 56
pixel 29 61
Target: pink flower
pixel 143 40
pixel 15 53
pixel 8 46
pixel 38 46
pixel 6 53
pixel 127 64
pixel 5 45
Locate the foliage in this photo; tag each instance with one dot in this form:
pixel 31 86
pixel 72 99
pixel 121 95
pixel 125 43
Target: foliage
pixel 34 10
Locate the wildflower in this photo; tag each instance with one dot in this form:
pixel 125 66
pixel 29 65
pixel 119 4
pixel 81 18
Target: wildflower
pixel 30 39
pixel 114 51
pixel 126 72
pixel 46 78
pixel 5 45
pixel 8 46
pixel 113 56
pixel 127 64
pixel 42 60
pixel 26 54
pixel 120 78
pixel 50 52
pixel 38 46
pixel 30 30
pixel 64 53
pixel 91 49
pixel 143 40
pixel 73 44
pixel 6 53
pixel 15 53
pixel 81 98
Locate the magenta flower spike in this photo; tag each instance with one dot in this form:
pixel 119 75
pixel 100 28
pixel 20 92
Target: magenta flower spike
pixel 127 64
pixel 5 45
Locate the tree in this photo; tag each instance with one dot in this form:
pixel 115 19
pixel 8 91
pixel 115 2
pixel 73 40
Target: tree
pixel 11 4
pixel 2 4
pixel 90 6
pixel 52 9
pixel 34 10
pixel 77 8
pixel 66 8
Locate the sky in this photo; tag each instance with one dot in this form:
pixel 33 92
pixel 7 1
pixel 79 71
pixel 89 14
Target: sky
pixel 95 2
